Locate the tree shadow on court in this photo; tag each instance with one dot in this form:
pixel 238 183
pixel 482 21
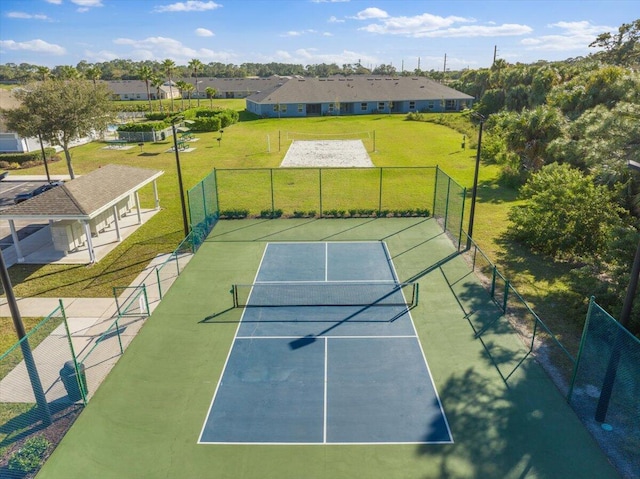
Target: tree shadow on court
pixel 506 416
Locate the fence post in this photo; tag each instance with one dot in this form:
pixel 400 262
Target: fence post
pixel 506 295
pixel 215 181
pixel 380 193
pixel 273 206
pixel 583 340
pixel 204 203
pixel 464 197
pixel 81 386
pixel 435 192
pixel 159 284
pixel 320 186
pixel 493 282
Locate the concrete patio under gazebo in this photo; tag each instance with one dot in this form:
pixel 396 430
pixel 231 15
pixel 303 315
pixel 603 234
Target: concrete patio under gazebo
pixel 87 217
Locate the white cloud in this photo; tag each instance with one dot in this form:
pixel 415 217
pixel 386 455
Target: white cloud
pixel 428 25
pixel 159 48
pixel 101 56
pixel 38 46
pixel 371 12
pixel 298 33
pixel 333 19
pixel 54 2
pixel 330 1
pixel 88 3
pixel 189 6
pixel 311 56
pixel 571 37
pixel 203 32
pixel 27 16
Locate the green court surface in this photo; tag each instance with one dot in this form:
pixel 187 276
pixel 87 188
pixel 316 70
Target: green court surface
pixel 145 420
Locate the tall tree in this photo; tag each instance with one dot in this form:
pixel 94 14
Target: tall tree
pixel 146 74
pixel 168 66
pixel 66 110
pixel 188 88
pixel 211 93
pixel 622 48
pixel 157 82
pixel 182 87
pixel 196 65
pixel 93 73
pixel 43 73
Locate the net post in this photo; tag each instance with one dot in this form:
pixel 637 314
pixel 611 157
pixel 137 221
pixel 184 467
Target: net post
pixel 416 287
pixel 234 295
pixel 159 284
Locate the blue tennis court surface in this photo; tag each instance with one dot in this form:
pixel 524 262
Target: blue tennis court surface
pixel 302 373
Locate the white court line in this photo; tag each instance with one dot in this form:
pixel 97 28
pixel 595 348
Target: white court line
pixel 326 381
pixel 226 361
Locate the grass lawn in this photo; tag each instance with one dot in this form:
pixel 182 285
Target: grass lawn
pixel 254 143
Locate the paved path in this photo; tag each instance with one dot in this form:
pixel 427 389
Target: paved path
pixel 88 319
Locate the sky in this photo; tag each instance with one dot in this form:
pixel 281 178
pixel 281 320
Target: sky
pixel 404 33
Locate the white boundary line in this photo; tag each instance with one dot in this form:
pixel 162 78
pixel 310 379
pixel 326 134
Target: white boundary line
pixel 424 357
pixel 224 367
pixel 326 359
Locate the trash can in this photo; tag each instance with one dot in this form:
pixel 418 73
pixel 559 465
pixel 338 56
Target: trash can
pixel 70 381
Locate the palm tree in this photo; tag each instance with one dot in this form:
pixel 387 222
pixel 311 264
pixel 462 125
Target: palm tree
pixel 157 82
pixel 196 65
pixel 93 73
pixel 211 92
pixel 182 87
pixel 169 66
pixel 188 87
pixel 145 73
pixel 44 72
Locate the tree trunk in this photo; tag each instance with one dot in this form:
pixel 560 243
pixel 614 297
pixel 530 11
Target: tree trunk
pixel 67 155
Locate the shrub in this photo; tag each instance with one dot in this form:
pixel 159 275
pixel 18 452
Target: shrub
pixel 234 214
pixel 145 126
pixel 271 213
pixel 29 457
pixel 14 161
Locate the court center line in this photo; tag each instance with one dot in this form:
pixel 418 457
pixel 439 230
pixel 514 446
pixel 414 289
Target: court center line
pixel 326 381
pixel 326 261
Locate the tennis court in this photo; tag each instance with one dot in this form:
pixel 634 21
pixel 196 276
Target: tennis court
pixel 150 418
pixel 326 353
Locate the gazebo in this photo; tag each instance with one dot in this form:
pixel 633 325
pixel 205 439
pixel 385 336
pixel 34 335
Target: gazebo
pixel 82 209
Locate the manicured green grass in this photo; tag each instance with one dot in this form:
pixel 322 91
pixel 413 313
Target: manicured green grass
pixel 262 143
pixel 248 144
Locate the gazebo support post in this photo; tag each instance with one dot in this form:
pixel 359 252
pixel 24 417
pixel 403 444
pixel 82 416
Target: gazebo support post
pixel 16 241
pixel 87 232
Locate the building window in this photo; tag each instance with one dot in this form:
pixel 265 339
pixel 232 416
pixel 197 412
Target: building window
pixel 330 107
pixel 380 105
pixel 283 108
pixel 450 105
pixel 430 104
pixel 363 106
pixel 412 105
pixel 300 107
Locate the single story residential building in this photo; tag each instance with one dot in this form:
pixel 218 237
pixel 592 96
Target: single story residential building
pixel 356 95
pixel 224 87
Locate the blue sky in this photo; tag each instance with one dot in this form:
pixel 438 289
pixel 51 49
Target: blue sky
pixel 64 32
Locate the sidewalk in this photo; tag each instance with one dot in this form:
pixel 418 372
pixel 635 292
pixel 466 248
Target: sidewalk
pixel 88 319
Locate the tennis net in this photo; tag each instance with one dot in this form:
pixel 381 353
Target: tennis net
pixel 325 294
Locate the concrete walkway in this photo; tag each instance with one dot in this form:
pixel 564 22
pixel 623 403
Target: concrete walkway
pixel 88 320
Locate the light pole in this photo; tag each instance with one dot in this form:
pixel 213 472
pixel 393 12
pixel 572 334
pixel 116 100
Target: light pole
pixel 29 362
pixel 625 317
pixel 474 194
pixel 185 222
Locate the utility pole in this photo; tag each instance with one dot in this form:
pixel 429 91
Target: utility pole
pixel 495 53
pixel 444 69
pixel 418 63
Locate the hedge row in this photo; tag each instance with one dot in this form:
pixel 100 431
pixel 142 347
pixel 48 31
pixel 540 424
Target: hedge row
pixel 14 161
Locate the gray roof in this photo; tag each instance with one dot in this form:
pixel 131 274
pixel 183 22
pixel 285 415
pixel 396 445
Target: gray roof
pixel 357 89
pixel 242 85
pixel 84 197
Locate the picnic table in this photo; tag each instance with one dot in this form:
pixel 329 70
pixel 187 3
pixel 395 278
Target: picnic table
pixel 117 143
